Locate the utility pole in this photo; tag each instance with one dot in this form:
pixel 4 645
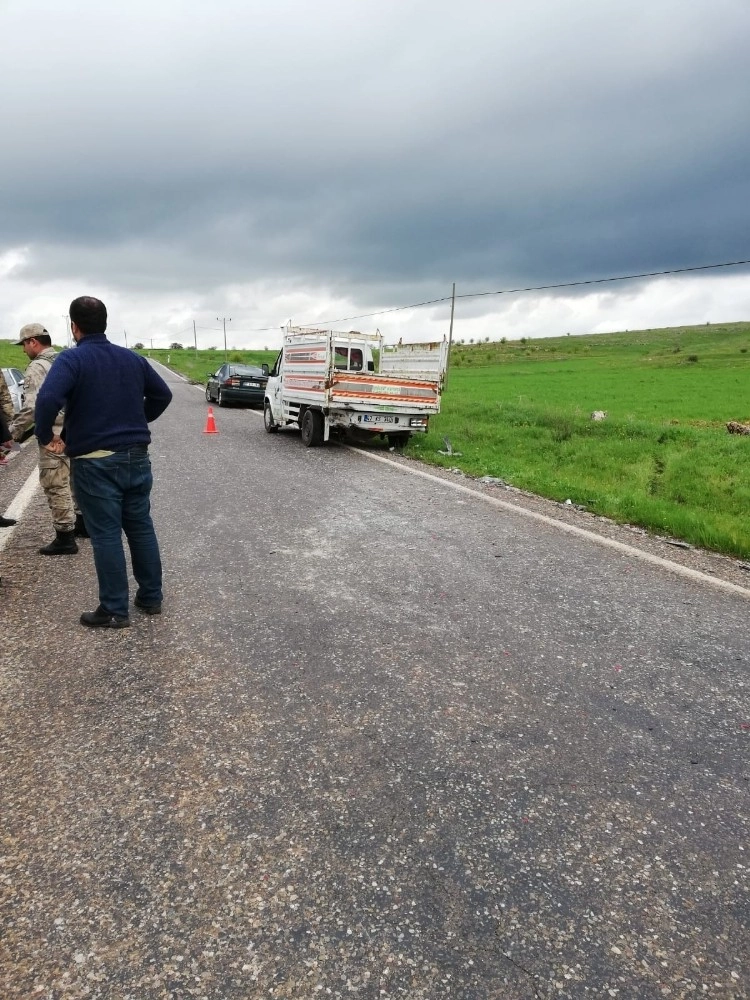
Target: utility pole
pixel 225 321
pixel 68 337
pixel 450 331
pixel 195 338
pixel 125 335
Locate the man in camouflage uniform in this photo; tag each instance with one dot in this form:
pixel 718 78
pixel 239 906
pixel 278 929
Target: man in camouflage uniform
pixel 6 415
pixel 54 470
pixel 6 401
pixel 5 418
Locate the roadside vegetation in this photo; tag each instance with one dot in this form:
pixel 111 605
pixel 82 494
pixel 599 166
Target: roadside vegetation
pixel 195 365
pixel 11 356
pixel 661 459
pixel 521 410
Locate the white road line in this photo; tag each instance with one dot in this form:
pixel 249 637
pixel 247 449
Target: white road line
pixel 591 536
pixel 20 502
pixel 182 378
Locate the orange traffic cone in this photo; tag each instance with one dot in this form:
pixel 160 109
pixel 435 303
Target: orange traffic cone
pixel 210 422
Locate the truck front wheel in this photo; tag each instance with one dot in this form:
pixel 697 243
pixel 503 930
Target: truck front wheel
pixel 268 422
pixel 312 428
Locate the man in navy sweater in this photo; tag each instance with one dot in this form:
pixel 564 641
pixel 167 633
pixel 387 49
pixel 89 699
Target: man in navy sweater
pixel 109 395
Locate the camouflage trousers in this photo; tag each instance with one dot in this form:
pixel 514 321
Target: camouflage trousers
pixel 54 477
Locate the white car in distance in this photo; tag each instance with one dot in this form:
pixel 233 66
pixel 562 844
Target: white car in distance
pixel 14 380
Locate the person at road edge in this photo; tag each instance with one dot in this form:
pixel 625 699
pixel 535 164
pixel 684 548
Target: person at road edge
pixel 110 395
pixel 54 470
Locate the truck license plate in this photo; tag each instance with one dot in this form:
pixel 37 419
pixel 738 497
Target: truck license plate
pixel 370 418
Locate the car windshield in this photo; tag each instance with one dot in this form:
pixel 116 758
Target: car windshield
pixel 245 370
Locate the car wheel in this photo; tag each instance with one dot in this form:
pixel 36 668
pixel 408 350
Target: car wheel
pixel 208 395
pixel 220 398
pixel 312 428
pixel 268 423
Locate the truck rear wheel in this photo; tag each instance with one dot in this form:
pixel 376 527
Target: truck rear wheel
pixel 268 423
pixel 312 428
pixel 399 440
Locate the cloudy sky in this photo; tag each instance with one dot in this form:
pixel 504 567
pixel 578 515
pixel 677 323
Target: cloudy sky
pixel 267 161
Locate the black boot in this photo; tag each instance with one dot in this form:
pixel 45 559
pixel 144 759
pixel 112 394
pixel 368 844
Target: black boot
pixel 6 522
pixel 64 544
pixel 103 619
pixel 80 527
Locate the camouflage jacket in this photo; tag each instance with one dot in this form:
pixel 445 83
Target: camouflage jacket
pixel 36 373
pixel 6 400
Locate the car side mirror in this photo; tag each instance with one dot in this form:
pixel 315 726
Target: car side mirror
pixel 264 369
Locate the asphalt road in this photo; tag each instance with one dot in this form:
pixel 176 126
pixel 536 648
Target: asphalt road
pixel 386 741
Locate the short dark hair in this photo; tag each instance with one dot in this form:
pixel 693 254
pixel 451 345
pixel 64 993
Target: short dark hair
pixel 88 314
pixel 43 338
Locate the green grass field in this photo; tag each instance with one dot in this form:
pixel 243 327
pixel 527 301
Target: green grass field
pixel 662 459
pixel 195 365
pixel 521 411
pixel 12 357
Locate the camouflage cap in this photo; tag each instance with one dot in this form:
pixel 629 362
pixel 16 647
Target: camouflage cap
pixel 29 331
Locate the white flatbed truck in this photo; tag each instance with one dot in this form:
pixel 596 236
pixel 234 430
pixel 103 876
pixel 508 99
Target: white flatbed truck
pixel 326 383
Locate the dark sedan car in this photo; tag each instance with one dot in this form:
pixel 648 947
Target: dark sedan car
pixel 234 383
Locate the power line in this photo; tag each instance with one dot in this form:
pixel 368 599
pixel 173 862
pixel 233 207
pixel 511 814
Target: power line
pixel 252 329
pixel 599 281
pixel 532 288
pixel 382 312
pixel 478 295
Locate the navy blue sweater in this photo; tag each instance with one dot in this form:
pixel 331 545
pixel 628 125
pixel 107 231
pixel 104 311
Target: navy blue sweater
pixel 109 395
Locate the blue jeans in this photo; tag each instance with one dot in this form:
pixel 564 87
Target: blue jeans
pixel 113 494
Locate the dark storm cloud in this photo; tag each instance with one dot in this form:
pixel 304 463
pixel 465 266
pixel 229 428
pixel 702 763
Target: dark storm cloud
pixel 370 149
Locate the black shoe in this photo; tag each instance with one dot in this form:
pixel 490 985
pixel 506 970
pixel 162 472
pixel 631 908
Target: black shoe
pixel 6 522
pixel 103 619
pixel 64 544
pixel 147 609
pixel 79 529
